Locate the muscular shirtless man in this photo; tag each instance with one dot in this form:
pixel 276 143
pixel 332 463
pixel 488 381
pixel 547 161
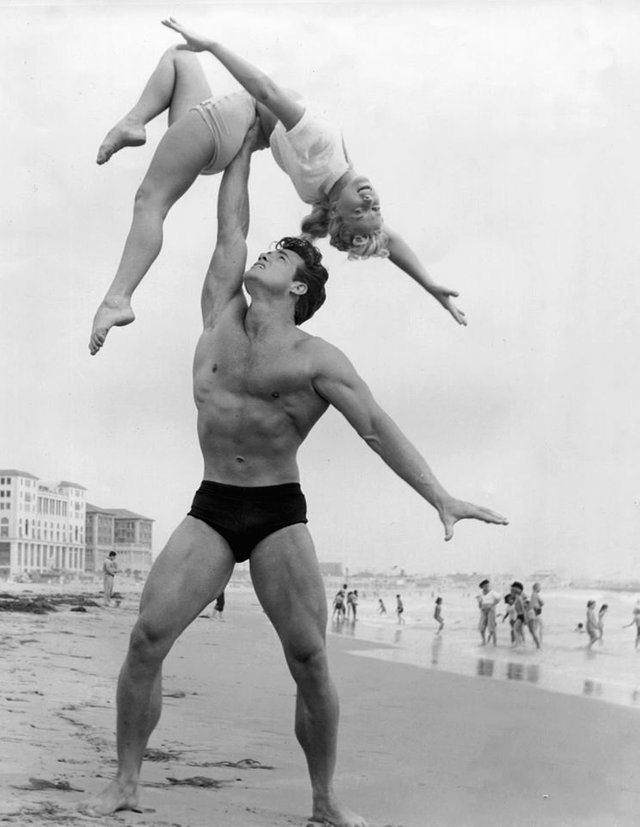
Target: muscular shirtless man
pixel 260 385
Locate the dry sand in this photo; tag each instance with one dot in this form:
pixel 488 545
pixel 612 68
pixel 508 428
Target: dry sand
pixel 417 748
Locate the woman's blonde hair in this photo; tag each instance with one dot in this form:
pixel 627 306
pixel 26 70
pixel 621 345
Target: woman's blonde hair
pixel 320 223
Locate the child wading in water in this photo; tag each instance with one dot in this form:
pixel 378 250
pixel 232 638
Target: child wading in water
pixel 203 137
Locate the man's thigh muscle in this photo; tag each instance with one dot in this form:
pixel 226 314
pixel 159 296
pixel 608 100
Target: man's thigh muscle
pixel 191 571
pixel 288 583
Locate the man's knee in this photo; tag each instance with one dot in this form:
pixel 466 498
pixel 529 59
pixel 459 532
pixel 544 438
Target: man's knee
pixel 307 661
pixel 148 643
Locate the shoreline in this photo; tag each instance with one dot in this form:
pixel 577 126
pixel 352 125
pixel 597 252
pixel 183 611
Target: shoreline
pixel 416 747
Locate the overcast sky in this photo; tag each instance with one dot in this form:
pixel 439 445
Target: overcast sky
pixel 503 139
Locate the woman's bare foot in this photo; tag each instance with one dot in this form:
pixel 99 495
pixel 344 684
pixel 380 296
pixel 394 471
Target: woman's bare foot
pixel 116 796
pixel 111 313
pixel 126 132
pixel 332 814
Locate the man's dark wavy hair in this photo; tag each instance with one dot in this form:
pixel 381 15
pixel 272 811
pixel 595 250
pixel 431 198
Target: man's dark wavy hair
pixel 312 273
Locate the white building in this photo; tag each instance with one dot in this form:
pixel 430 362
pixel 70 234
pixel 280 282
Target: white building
pixel 41 525
pixel 125 532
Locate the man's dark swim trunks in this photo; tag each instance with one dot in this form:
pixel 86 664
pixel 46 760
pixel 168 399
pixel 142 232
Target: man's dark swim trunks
pixel 246 515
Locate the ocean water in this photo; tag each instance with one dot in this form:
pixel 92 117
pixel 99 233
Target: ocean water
pixel 610 671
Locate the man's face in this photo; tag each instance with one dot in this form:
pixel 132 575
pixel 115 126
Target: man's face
pixel 275 270
pixel 486 587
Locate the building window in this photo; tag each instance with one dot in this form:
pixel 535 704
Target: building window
pixel 4 527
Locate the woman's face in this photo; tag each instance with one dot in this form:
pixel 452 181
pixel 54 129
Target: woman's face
pixel 359 207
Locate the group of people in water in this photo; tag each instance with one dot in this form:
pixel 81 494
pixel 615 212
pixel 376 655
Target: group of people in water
pixel 522 612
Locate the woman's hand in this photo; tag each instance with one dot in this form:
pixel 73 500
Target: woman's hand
pixel 194 42
pixel 444 296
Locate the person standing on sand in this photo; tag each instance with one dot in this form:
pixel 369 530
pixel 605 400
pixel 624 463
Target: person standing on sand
pixel 260 385
pixel 109 571
pixel 399 609
pixel 382 609
pixel 487 602
pixel 218 607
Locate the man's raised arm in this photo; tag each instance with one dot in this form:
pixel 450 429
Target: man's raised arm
pixel 337 381
pixel 223 281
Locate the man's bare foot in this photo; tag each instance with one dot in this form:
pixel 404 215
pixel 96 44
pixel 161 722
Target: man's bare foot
pixel 332 814
pixel 111 313
pixel 126 132
pixel 454 510
pixel 116 796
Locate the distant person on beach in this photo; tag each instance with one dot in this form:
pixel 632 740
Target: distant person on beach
pixel 339 605
pixel 536 604
pixel 592 623
pixel 487 601
pixel 531 620
pixel 437 614
pixel 579 628
pixel 109 571
pixel 352 605
pixel 399 609
pixel 510 614
pixel 206 132
pixel 601 615
pixel 218 607
pixel 382 609
pixel 517 591
pixel 260 384
pixel 635 622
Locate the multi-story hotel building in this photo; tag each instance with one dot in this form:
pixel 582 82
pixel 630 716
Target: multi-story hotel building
pixel 122 531
pixel 41 525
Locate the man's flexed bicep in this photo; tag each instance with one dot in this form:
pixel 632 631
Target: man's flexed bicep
pixel 338 382
pixel 223 282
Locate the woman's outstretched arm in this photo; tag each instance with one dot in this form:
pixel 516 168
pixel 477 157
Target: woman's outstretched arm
pixel 403 257
pixel 260 86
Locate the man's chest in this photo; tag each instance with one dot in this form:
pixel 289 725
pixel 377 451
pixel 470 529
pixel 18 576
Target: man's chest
pixel 235 365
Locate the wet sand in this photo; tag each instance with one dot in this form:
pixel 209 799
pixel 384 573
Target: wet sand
pixel 417 747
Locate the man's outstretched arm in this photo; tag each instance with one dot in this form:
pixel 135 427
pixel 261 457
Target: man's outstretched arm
pixel 337 381
pixel 223 281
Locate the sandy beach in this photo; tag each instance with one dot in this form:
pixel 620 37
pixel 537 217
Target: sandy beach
pixel 417 747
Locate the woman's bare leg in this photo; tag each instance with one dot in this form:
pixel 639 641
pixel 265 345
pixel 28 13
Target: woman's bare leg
pixel 177 83
pixel 182 154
